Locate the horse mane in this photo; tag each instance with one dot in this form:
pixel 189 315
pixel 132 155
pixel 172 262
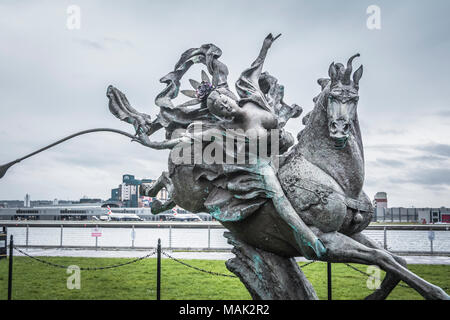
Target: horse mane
pixel 318 103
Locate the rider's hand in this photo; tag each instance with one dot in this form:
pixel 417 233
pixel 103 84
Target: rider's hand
pixel 270 39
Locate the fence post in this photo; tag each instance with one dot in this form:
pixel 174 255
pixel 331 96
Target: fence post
pixel 61 237
pixel 133 235
pixel 170 237
pixel 26 238
pixel 158 271
pixel 209 237
pixel 10 270
pixel 431 238
pixel 385 238
pixel 96 239
pixel 329 280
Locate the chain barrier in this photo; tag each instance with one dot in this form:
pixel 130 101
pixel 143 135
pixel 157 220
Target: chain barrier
pixel 371 276
pixel 307 264
pixel 196 268
pixel 133 261
pixel 212 272
pixel 84 268
pixel 180 262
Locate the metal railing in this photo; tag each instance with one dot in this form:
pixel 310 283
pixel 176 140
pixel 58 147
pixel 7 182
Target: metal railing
pixel 406 239
pixel 117 235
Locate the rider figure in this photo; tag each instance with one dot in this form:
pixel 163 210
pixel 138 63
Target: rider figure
pixel 238 190
pixel 256 117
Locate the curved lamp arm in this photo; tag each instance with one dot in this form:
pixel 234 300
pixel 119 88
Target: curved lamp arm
pixel 151 144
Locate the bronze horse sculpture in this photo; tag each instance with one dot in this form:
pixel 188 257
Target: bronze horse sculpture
pixel 311 204
pixel 321 176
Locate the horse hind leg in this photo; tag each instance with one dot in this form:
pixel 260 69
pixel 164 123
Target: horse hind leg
pixel 343 249
pixel 390 281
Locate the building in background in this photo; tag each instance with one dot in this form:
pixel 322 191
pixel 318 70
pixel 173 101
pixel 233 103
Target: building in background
pixel 128 193
pixel 115 194
pixel 90 200
pixel 380 205
pixel 420 215
pixel 125 199
pixel 399 214
pixel 445 214
pixel 27 201
pixel 434 215
pixel 380 200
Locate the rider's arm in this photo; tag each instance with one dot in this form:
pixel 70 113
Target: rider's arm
pixel 256 67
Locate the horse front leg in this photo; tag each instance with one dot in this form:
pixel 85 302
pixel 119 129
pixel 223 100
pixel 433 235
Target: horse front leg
pixel 343 249
pixel 306 241
pixel 390 281
pixel 151 190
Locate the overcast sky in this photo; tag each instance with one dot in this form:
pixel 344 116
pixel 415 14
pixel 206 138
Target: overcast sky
pixel 53 82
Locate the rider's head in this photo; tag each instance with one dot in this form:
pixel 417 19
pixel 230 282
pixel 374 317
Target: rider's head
pixel 222 103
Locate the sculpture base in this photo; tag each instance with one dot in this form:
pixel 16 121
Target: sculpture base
pixel 268 276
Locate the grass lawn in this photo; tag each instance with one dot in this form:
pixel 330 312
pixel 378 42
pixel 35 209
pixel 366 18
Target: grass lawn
pixel 33 280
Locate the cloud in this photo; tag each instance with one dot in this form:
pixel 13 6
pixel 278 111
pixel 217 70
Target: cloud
pixel 120 42
pixel 436 149
pixel 91 44
pixel 54 83
pixel 427 158
pixel 104 43
pixel 390 163
pixel 443 113
pixel 389 131
pixel 426 176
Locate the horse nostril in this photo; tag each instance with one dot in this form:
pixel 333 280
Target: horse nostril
pixel 334 126
pixel 346 127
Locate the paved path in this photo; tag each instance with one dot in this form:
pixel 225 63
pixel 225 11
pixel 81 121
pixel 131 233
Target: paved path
pixel 185 255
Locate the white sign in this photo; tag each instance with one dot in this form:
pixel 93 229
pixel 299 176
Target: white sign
pixel 431 235
pixel 96 232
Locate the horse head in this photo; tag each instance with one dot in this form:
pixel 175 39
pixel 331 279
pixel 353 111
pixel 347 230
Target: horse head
pixel 339 97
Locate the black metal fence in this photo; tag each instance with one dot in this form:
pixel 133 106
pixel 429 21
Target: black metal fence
pixel 159 252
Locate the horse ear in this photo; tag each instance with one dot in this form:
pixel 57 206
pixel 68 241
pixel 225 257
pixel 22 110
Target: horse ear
pixel 332 73
pixel 323 82
pixel 357 76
